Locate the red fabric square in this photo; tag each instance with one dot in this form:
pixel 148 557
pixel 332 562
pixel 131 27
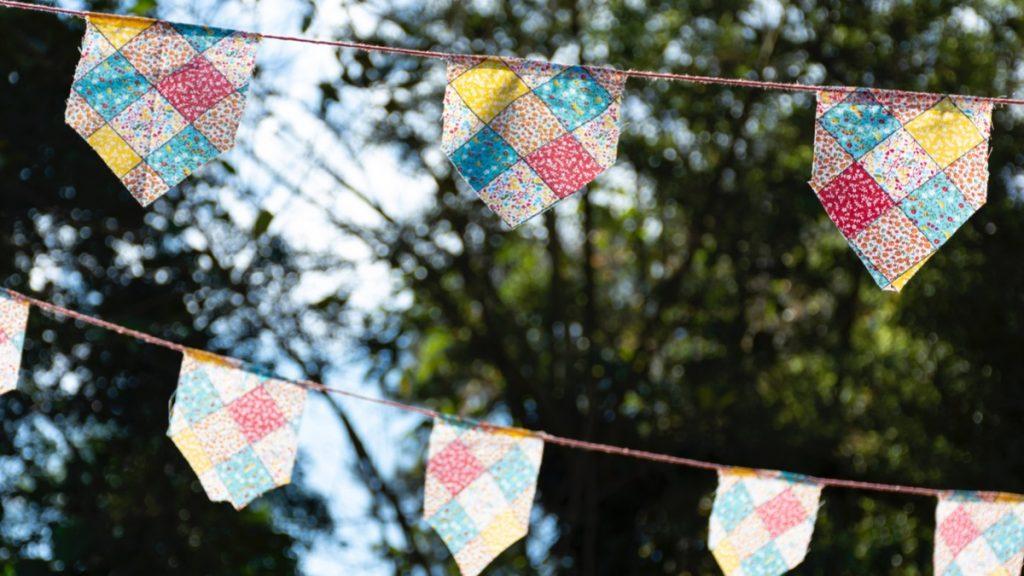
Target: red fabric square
pixel 195 88
pixel 564 165
pixel 958 531
pixel 256 414
pixel 455 467
pixel 781 513
pixel 853 200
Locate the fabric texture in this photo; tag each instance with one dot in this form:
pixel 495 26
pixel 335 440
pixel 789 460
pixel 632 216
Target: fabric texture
pixel 899 174
pixel 762 521
pixel 237 430
pixel 979 534
pixel 158 100
pixel 479 489
pixel 526 134
pixel 13 322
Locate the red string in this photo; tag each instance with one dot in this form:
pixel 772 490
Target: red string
pixel 651 75
pixel 550 438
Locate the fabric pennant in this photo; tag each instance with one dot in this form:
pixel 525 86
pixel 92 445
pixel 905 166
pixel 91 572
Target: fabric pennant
pixel 158 100
pixel 899 174
pixel 13 322
pixel 979 534
pixel 479 489
pixel 238 430
pixel 762 521
pixel 526 134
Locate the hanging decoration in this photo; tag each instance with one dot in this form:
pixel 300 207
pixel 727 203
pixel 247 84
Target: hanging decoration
pixel 899 174
pixel 762 521
pixel 526 134
pixel 157 100
pixel 479 489
pixel 238 430
pixel 979 534
pixel 13 322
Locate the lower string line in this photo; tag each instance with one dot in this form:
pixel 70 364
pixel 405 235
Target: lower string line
pixel 647 74
pixel 427 412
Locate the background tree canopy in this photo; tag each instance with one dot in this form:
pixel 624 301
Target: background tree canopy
pixel 694 300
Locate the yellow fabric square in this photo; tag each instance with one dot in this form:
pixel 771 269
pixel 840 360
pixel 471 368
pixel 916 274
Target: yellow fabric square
pixel 120 30
pixel 192 450
pixel 726 556
pixel 489 87
pixel 114 151
pixel 503 531
pixel 945 132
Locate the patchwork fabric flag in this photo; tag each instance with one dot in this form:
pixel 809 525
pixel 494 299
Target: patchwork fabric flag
pixel 237 430
pixel 479 489
pixel 899 174
pixel 526 134
pixel 13 322
pixel 158 100
pixel 979 534
pixel 761 521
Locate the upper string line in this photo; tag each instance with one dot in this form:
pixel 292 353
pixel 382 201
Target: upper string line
pixel 647 74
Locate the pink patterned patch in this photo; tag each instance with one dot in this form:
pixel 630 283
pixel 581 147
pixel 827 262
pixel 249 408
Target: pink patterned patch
pixel 256 414
pixel 455 467
pixel 958 531
pixel 195 88
pixel 853 200
pixel 781 513
pixel 564 165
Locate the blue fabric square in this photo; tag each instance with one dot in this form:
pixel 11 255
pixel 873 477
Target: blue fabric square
pixel 182 155
pixel 859 123
pixel 454 526
pixel 112 86
pixel 574 97
pixel 513 473
pixel 245 477
pixel 484 157
pixel 201 37
pixel 732 507
pixel 1006 537
pixel 196 396
pixel 767 561
pixel 938 208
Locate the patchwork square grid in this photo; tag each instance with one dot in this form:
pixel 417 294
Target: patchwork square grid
pixel 526 134
pixel 899 173
pixel 762 521
pixel 979 534
pixel 237 429
pixel 158 100
pixel 479 489
pixel 13 322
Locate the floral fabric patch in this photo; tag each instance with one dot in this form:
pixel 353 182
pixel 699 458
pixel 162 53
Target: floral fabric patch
pixel 899 173
pixel 525 134
pixel 762 521
pixel 237 430
pixel 158 100
pixel 13 322
pixel 479 489
pixel 979 534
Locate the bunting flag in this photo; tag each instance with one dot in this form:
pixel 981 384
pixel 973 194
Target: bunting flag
pixel 761 521
pixel 899 173
pixel 479 489
pixel 237 430
pixel 526 134
pixel 158 100
pixel 979 534
pixel 13 322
